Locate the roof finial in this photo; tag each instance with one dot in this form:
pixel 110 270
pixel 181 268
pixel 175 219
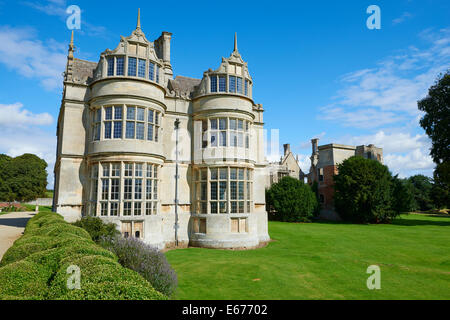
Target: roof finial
pixel 235 42
pixel 138 26
pixel 71 47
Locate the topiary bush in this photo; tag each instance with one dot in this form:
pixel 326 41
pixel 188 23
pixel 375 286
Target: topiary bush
pixel 35 266
pixel 148 261
pixel 292 200
pixel 97 228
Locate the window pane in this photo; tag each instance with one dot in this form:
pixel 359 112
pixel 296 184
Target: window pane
pixel 222 83
pixel 222 123
pixel 117 113
pixel 223 138
pixel 151 71
pixel 105 189
pixel 131 113
pixel 213 84
pixel 246 87
pixel 108 130
pixel 213 191
pixel 233 190
pixel 138 189
pixel 214 138
pixel 110 66
pixel 131 66
pixel 115 170
pixel 203 191
pixel 240 125
pixel 140 114
pixel 97 131
pixel 140 130
pixel 223 190
pixel 213 123
pixel 233 173
pixel 232 84
pixel 120 62
pixel 108 113
pixel 128 169
pixel 115 190
pixel 138 169
pixel 149 170
pixel 213 207
pixel 214 174
pixel 105 169
pixel 128 189
pixel 130 130
pixel 150 116
pixel 239 84
pixel 233 124
pixel 150 132
pixel 223 174
pixel 117 129
pixel 141 71
pixel 148 189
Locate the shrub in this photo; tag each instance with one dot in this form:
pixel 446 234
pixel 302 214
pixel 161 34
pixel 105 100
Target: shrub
pixel 363 191
pixel 97 228
pixel 23 279
pixel 148 261
pixel 292 200
pixel 35 266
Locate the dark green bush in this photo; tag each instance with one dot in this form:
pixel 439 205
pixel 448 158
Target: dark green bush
pixel 291 200
pixel 363 191
pixel 97 228
pixel 35 266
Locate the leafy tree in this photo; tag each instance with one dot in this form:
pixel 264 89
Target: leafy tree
pixel 440 191
pixel 422 191
pixel 403 193
pixel 22 178
pixel 436 120
pixel 363 191
pixel 292 200
pixel 436 123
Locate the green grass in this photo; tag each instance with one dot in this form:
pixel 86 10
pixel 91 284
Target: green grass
pixel 325 261
pixel 32 207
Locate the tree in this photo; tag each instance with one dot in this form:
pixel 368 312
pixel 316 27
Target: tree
pixel 436 123
pixel 436 120
pixel 422 191
pixel 23 178
pixel 292 200
pixel 403 194
pixel 363 191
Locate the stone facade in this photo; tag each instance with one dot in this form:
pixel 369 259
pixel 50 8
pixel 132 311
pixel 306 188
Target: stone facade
pixel 324 162
pixel 287 166
pixel 174 162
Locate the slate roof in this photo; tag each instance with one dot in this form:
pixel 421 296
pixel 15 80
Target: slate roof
pixel 183 84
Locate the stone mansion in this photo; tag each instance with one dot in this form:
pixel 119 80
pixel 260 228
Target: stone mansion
pixel 172 161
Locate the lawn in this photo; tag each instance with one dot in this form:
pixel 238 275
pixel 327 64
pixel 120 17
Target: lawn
pixel 325 261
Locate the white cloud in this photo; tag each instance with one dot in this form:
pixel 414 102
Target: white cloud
pixel 22 52
pixel 405 16
pixel 14 115
pixel 405 154
pixel 23 132
pixel 388 93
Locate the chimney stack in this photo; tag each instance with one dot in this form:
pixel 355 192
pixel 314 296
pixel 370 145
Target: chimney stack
pixel 287 148
pixel 315 145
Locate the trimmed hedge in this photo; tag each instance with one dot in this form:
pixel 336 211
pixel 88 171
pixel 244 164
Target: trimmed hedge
pixel 35 266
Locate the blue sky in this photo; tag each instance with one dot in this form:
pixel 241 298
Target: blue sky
pixel 317 69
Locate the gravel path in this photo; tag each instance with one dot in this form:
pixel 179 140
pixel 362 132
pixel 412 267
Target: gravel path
pixel 11 228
